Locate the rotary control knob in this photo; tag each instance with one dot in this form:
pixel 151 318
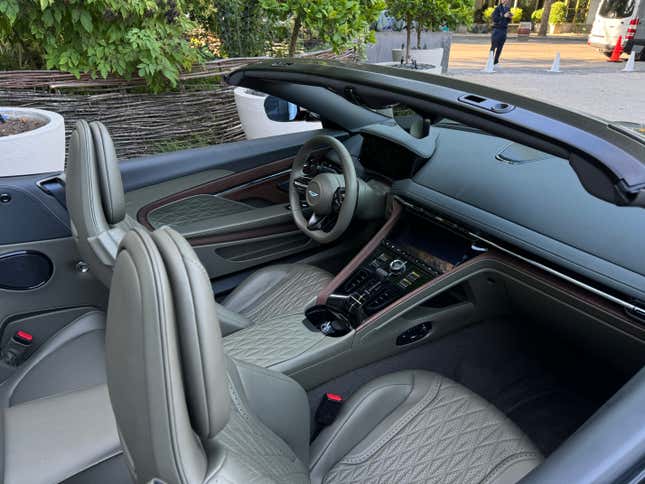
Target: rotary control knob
pixel 397 266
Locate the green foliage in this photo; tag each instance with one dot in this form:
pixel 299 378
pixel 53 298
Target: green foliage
pixel 536 16
pixel 429 14
pixel 101 37
pixel 488 14
pixel 558 13
pixel 516 13
pixel 335 22
pixel 241 25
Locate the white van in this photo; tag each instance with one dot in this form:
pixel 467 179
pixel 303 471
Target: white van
pixel 616 18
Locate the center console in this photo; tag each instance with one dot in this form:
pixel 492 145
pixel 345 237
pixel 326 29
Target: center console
pixel 413 253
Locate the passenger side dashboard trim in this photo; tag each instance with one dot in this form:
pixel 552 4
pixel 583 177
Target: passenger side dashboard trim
pixel 637 310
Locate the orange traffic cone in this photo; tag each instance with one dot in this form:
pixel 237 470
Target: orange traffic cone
pixel 618 50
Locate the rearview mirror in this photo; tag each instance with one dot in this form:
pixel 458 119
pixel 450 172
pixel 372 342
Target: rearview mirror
pixel 278 109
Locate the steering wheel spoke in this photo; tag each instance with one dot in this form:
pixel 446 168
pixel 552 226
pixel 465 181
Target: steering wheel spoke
pixel 339 198
pixel 300 184
pixel 314 221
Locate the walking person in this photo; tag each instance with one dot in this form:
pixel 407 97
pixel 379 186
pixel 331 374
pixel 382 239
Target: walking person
pixel 501 18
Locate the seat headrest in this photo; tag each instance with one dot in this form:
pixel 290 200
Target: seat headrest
pixel 110 182
pixel 200 337
pixel 163 391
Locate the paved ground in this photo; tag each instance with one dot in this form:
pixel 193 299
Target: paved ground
pixel 587 82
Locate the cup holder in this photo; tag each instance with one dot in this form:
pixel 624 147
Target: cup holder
pixel 328 321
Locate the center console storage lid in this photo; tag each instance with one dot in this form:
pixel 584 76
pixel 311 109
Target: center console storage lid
pixel 52 439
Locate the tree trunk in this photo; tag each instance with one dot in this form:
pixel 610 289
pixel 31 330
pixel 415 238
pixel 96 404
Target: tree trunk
pixel 408 33
pixel 297 23
pixel 544 23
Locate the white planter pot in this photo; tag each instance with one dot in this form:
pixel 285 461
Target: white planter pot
pixel 428 56
pixel 256 124
pixel 422 56
pixel 41 150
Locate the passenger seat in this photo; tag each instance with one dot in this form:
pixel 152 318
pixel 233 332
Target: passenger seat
pixel 187 413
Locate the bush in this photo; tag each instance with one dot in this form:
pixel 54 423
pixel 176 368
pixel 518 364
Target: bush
pixel 536 16
pixel 558 13
pixel 102 37
pixel 488 14
pixel 241 25
pixel 517 14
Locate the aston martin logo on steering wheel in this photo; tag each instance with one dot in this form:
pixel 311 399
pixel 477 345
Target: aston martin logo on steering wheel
pixel 313 194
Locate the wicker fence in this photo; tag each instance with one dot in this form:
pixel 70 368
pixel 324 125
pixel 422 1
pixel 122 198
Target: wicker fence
pixel 201 112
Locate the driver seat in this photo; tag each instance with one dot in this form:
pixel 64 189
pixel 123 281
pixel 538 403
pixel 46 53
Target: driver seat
pixel 96 202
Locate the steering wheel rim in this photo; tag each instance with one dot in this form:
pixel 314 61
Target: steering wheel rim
pixel 323 183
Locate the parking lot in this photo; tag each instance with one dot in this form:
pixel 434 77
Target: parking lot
pixel 587 83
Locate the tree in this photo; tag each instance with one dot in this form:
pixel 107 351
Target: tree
pixel 428 14
pixel 544 23
pixel 407 11
pixel 337 22
pixel 101 37
pixel 433 13
pixel 241 25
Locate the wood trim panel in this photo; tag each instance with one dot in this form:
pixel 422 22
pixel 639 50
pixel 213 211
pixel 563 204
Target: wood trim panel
pixel 243 235
pixel 362 255
pixel 584 298
pixel 457 270
pixel 265 189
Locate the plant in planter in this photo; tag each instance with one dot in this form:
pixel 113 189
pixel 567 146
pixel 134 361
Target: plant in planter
pixel 31 141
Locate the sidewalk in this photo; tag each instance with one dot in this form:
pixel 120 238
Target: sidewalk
pixel 559 38
pixel 587 83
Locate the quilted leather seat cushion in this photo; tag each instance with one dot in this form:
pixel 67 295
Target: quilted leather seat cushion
pixel 417 426
pixel 277 291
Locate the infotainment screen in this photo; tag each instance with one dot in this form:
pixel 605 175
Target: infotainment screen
pixel 436 246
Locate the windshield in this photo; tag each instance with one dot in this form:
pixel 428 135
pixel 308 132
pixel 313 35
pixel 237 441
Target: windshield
pixel 616 8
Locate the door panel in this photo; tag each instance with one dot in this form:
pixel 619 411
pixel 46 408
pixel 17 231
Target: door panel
pixel 135 200
pixel 28 213
pixel 35 222
pixel 67 288
pixel 235 212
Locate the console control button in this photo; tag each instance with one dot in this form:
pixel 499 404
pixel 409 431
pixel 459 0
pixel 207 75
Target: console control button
pixel 397 266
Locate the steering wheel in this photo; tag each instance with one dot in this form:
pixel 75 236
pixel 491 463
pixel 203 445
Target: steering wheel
pixel 331 197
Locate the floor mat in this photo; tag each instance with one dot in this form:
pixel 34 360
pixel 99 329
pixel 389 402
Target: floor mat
pixel 546 388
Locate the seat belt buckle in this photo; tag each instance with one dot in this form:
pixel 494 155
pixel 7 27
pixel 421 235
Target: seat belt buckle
pixel 328 409
pixel 13 353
